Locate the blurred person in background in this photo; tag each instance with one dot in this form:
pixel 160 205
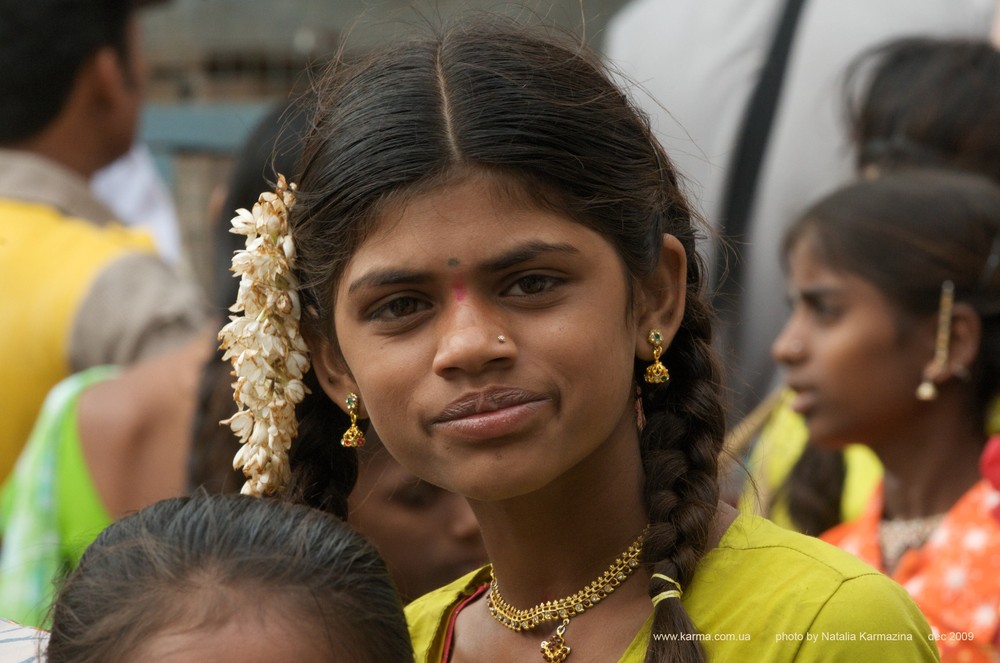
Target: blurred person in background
pixel 912 102
pixel 753 119
pixel 108 442
pixel 80 290
pixel 135 191
pixel 894 341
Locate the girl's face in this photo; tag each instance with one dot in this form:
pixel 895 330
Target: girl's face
pixel 849 356
pixel 492 344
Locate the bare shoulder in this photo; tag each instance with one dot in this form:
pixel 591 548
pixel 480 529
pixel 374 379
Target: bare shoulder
pixel 122 408
pixel 134 429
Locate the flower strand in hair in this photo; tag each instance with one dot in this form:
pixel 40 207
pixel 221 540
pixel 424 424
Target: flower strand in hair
pixel 265 344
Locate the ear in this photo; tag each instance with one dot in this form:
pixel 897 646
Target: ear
pixel 111 80
pixel 966 336
pixel 660 297
pixel 331 371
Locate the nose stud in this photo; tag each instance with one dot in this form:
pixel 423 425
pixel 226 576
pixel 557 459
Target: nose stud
pixel 502 338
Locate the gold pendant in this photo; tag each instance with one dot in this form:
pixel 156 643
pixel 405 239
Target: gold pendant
pixel 555 649
pixel 353 437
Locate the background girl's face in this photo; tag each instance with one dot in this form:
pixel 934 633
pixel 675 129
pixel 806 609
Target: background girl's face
pixel 426 535
pixel 418 314
pixel 851 357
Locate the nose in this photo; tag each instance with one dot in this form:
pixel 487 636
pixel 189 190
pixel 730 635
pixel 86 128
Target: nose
pixel 789 347
pixel 473 338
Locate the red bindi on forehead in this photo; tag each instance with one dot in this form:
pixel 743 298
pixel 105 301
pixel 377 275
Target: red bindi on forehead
pixel 458 287
pixel 457 283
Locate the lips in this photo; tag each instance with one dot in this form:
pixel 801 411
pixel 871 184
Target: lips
pixel 805 398
pixel 489 400
pixel 489 413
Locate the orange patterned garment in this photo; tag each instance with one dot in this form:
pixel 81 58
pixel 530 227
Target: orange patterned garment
pixel 954 577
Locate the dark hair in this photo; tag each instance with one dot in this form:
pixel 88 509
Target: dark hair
pixel 904 232
pixel 213 445
pixel 195 561
pixel 813 490
pixel 929 102
pixel 541 115
pixel 43 44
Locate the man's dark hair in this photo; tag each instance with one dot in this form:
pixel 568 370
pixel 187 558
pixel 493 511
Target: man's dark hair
pixel 43 44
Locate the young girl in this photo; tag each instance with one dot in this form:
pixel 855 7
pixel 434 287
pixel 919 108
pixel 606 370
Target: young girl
pixel 498 269
pixel 228 578
pixel 894 340
pixel 913 101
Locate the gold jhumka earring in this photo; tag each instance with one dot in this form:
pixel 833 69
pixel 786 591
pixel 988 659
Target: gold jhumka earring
pixel 927 391
pixel 353 436
pixel 656 373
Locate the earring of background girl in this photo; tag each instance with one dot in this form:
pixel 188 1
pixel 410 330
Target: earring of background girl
pixel 927 391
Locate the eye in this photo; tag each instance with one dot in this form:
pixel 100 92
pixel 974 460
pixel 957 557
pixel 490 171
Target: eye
pixel 532 285
pixel 398 308
pixel 824 310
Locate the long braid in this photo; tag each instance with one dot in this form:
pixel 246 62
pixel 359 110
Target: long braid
pixel 680 446
pixel 682 439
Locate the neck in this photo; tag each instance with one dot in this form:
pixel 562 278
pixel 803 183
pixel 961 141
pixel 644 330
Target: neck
pixel 68 149
pixel 930 469
pixel 551 543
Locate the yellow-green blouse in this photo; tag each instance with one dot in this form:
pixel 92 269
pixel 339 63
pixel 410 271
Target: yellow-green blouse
pixel 764 594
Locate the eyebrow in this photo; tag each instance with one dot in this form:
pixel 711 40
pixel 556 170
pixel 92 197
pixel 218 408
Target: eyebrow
pixel 815 294
pixel 383 277
pixel 512 258
pixel 526 252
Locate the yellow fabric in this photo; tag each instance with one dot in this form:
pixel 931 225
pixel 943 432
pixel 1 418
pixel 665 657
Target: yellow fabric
pixel 47 264
pixel 760 591
pixel 781 442
pixel 864 472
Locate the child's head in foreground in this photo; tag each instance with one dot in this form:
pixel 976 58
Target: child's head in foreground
pixel 228 577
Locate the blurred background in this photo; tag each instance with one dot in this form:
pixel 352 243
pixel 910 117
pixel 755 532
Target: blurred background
pixel 216 66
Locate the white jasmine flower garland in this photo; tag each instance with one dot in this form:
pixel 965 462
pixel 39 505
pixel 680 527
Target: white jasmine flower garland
pixel 265 345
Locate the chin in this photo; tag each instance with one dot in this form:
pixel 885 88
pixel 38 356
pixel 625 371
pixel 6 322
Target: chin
pixel 826 440
pixel 492 493
pixel 495 478
pixel 491 490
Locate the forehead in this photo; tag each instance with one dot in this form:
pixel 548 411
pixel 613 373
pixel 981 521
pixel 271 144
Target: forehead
pixel 806 258
pixel 463 222
pixel 808 271
pixel 246 637
pixel 810 274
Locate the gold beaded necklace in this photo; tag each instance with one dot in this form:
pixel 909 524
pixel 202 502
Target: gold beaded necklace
pixel 555 649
